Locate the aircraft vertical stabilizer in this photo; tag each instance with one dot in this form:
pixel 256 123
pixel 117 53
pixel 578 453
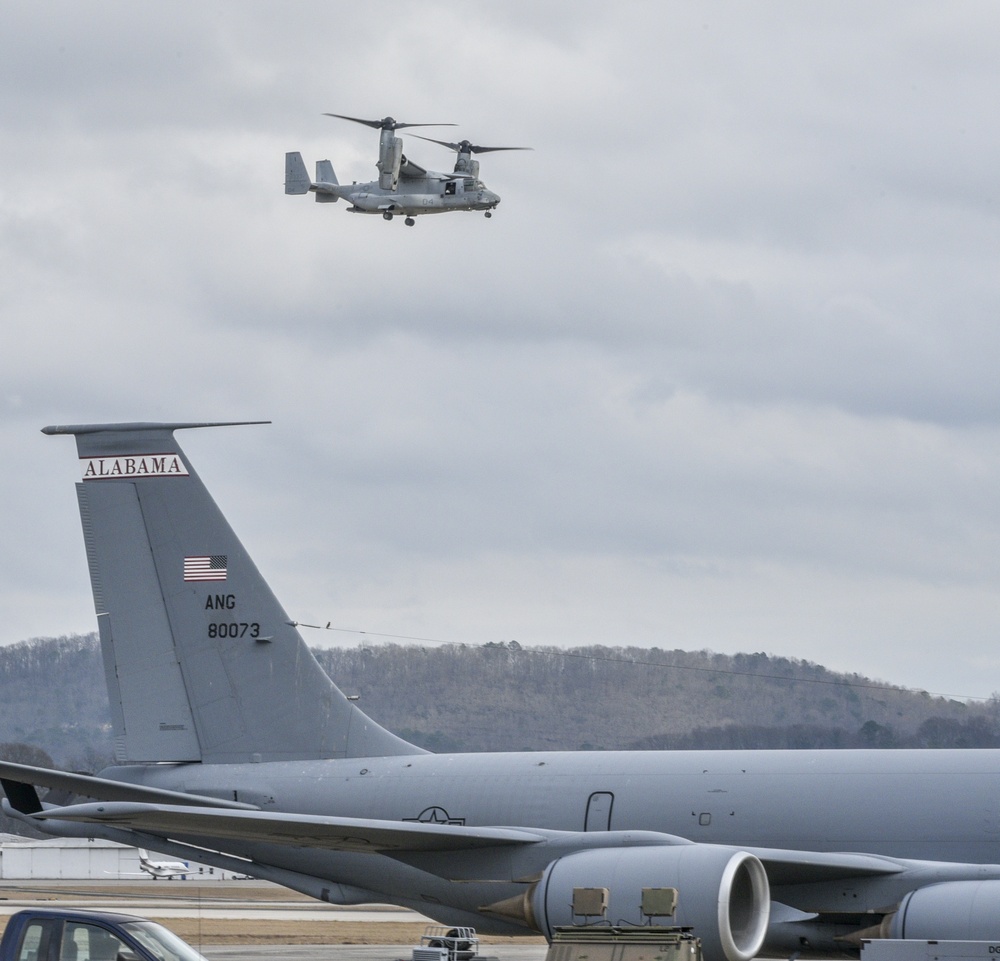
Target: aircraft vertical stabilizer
pixel 296 176
pixel 202 662
pixel 325 174
pixel 326 183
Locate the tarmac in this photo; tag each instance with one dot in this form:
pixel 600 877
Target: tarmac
pixel 354 952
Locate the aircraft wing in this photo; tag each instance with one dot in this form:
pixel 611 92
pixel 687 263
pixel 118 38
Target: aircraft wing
pixel 415 838
pixel 295 830
pixel 165 813
pixel 411 171
pixel 19 781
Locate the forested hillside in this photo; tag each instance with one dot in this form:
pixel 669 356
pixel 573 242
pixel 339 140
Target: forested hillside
pixel 504 697
pixel 53 697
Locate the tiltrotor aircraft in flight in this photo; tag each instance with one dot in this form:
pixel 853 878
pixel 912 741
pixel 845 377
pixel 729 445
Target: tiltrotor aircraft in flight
pixel 403 187
pixel 234 748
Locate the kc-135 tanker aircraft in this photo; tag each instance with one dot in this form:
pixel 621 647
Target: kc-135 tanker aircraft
pixel 233 748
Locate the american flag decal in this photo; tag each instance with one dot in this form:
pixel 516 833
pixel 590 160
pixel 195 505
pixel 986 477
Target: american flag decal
pixel 206 567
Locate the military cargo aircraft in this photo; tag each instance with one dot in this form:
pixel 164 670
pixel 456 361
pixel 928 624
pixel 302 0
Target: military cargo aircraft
pixel 233 748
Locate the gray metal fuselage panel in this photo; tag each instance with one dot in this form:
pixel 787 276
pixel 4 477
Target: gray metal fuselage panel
pixel 907 804
pixel 417 196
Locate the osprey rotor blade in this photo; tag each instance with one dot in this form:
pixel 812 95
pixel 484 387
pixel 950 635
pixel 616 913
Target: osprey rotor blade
pixel 465 147
pixel 386 123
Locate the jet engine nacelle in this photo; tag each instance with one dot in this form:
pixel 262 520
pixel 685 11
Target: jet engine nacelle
pixel 723 892
pixel 951 911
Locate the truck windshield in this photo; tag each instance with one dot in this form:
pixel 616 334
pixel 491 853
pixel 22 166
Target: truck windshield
pixel 161 943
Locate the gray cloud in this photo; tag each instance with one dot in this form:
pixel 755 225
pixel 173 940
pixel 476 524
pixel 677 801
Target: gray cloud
pixel 720 371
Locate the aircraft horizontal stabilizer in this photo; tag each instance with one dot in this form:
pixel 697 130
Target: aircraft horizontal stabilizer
pixel 101 788
pixel 297 830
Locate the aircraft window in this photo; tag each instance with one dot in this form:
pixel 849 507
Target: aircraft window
pixel 471 184
pixel 449 188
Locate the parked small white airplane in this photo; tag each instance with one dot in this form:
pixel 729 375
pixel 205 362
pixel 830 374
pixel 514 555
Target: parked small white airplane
pixel 162 869
pixel 158 869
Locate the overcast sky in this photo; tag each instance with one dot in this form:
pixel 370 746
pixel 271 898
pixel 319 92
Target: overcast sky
pixel 721 372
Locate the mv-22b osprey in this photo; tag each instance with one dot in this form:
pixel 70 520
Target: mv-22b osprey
pixel 234 749
pixel 402 187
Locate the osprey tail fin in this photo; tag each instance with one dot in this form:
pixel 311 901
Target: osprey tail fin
pixel 296 176
pixel 325 174
pixel 326 186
